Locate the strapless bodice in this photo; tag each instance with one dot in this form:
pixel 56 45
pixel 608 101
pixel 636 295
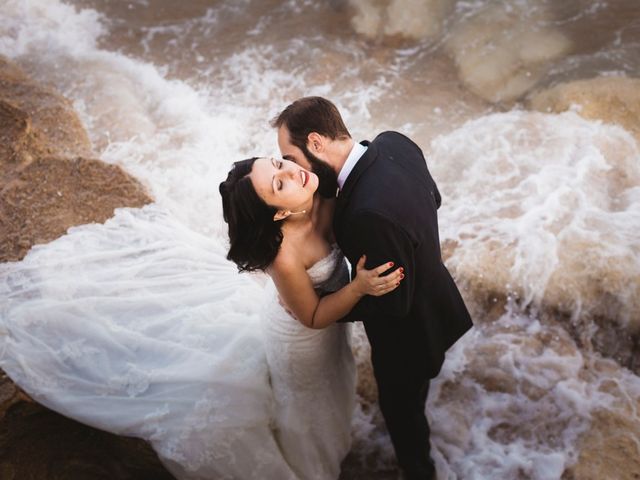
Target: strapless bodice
pixel 329 273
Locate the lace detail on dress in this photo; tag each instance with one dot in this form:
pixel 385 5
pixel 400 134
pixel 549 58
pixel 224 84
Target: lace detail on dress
pixel 313 379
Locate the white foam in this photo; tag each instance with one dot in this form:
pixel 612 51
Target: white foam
pixel 180 141
pixel 544 205
pixel 517 404
pixel 54 25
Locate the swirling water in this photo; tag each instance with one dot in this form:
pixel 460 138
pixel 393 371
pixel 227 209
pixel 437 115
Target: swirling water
pixel 541 210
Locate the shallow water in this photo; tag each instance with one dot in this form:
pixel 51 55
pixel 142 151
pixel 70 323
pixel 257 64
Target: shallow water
pixel 542 209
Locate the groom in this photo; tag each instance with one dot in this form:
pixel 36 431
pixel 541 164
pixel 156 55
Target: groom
pixel 386 208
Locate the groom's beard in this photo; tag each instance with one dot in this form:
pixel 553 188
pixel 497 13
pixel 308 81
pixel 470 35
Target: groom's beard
pixel 327 177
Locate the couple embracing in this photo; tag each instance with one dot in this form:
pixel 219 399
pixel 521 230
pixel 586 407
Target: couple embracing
pixel 297 218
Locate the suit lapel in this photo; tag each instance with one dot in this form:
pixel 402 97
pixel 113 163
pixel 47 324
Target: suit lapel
pixel 367 159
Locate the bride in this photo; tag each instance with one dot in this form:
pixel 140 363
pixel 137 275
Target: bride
pixel 278 223
pixel 141 327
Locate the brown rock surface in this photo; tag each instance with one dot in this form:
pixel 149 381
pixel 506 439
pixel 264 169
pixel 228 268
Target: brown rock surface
pixel 502 53
pixel 38 444
pixel 609 450
pixel 43 199
pixel 47 184
pixel 610 99
pixel 47 121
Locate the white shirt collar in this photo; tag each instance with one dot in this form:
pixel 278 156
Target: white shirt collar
pixel 356 152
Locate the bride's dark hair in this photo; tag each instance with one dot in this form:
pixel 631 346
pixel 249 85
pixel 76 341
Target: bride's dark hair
pixel 255 238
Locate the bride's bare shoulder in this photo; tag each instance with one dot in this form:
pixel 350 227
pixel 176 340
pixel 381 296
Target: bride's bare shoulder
pixel 286 261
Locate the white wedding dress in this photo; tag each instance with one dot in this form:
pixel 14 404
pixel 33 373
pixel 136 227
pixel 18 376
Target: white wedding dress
pixel 141 327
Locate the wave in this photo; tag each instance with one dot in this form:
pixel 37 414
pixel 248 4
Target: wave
pixel 547 207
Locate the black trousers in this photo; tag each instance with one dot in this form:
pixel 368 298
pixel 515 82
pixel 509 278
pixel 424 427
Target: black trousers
pixel 402 375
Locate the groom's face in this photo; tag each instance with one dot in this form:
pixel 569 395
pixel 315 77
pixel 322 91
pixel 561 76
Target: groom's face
pixel 303 157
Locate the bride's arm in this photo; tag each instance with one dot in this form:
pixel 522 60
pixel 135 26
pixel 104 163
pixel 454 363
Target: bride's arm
pixel 297 292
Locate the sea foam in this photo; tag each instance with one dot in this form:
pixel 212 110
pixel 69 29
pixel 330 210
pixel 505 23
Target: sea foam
pixel 544 206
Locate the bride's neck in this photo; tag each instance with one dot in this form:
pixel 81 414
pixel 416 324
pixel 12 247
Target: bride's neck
pixel 303 222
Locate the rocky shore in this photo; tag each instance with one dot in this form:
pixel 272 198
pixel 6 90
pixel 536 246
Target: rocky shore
pixel 48 183
pixel 48 178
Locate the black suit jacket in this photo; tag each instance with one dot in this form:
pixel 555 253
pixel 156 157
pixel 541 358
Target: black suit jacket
pixel 387 210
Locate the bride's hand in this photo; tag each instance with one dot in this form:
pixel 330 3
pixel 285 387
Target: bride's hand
pixel 369 282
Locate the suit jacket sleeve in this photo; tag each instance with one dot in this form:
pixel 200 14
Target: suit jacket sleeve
pixel 381 240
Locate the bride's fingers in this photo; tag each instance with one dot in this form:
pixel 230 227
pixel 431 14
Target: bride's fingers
pixel 383 268
pixel 391 281
pixel 393 277
pixel 387 289
pixel 379 285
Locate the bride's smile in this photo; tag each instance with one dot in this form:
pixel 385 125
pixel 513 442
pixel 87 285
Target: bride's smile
pixel 284 184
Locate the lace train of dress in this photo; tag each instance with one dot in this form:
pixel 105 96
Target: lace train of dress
pixel 141 327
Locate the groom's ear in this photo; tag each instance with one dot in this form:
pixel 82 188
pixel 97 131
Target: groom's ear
pixel 281 215
pixel 315 142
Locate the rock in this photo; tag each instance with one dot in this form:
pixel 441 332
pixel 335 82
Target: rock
pixel 47 119
pixel 501 53
pixel 48 183
pixel 36 443
pixel 610 99
pixel 402 19
pixel 50 194
pixel 610 448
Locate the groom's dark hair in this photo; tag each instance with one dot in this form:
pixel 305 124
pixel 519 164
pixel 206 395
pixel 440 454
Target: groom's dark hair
pixel 311 114
pixel 314 114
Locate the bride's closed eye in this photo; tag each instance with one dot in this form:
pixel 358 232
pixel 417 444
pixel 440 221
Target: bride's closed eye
pixel 278 165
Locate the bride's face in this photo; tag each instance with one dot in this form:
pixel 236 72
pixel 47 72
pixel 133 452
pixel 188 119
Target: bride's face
pixel 283 183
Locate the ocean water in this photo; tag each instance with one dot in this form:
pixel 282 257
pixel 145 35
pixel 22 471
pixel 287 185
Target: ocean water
pixel 541 211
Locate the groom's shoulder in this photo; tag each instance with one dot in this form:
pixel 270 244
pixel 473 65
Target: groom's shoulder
pixel 392 135
pixel 393 139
